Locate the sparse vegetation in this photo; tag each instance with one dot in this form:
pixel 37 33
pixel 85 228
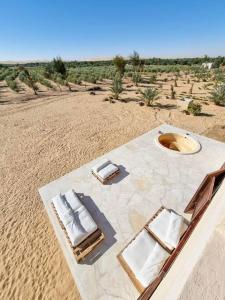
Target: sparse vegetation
pixel 194 108
pixel 149 95
pixel 136 78
pixel 12 84
pixel 135 61
pixel 117 87
pixel 120 64
pixel 28 79
pixel 218 95
pixel 59 67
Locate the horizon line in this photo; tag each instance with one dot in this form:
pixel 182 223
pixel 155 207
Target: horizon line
pixel 100 59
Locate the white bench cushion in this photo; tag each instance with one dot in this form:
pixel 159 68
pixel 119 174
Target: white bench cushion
pixel 81 226
pixel 138 251
pixel 73 200
pixel 102 164
pixel 78 223
pixel 61 207
pixel 168 227
pixel 152 266
pixel 107 171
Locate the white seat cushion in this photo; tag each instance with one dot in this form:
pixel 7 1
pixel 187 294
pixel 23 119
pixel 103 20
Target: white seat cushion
pixel 102 164
pixel 176 229
pixel 81 226
pixel 168 227
pixel 73 200
pixel 107 171
pixel 61 207
pixel 138 251
pixel 152 266
pixel 78 223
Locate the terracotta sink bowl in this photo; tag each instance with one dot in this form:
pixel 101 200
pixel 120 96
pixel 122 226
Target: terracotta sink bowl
pixel 179 143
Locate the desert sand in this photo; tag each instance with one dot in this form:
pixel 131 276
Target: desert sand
pixel 44 137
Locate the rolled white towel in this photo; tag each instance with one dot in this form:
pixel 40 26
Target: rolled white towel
pixel 107 171
pixel 152 266
pixel 102 164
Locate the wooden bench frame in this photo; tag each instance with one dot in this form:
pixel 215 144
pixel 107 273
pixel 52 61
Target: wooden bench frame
pixel 81 250
pixel 197 206
pixel 108 178
pixel 126 267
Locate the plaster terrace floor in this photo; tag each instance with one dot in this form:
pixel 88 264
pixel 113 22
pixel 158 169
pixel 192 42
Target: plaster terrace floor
pixel 150 177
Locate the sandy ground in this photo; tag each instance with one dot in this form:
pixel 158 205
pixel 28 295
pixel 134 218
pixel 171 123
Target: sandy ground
pixel 44 138
pixel 207 279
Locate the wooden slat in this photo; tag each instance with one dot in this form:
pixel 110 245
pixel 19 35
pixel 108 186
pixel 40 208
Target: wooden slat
pixel 108 178
pixel 86 246
pixel 150 289
pixel 191 205
pixel 204 197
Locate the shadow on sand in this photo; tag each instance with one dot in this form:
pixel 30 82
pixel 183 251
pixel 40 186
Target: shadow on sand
pixel 104 226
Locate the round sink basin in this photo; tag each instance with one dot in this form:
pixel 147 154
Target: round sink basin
pixel 179 143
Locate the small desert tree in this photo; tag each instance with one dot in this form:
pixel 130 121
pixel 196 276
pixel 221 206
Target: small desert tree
pixel 117 87
pixel 59 66
pixel 135 60
pixel 218 95
pixel 120 64
pixel 149 95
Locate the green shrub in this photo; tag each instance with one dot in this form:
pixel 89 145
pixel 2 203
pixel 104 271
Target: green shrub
pixel 120 64
pixel 153 79
pixel 135 60
pixel 59 66
pixel 218 95
pixel 194 108
pixel 45 82
pixel 48 71
pixel 136 78
pixel 12 84
pixel 28 79
pixel 149 95
pixel 117 87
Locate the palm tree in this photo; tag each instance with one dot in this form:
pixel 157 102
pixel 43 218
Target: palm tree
pixel 149 95
pixel 117 87
pixel 120 64
pixel 59 66
pixel 135 60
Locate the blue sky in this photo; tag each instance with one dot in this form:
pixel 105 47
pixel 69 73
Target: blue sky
pixel 73 29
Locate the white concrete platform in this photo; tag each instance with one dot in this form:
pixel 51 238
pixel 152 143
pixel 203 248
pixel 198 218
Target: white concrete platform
pixel 150 177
